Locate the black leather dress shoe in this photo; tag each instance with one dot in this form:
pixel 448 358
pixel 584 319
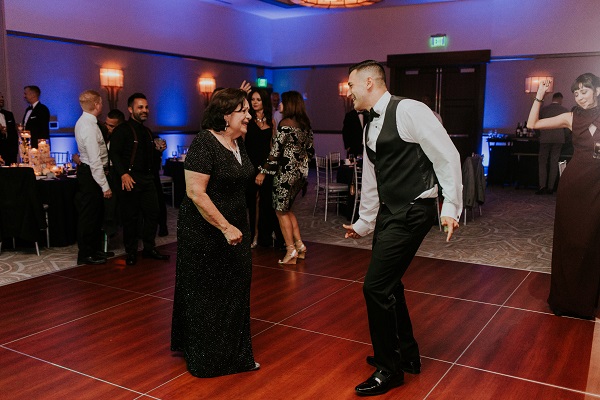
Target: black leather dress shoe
pixel 155 255
pixel 412 367
pixel 131 259
pixel 91 260
pixel 105 254
pixel 379 383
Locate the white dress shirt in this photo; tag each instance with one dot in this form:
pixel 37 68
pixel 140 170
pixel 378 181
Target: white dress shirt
pixel 28 113
pixel 416 124
pixel 92 149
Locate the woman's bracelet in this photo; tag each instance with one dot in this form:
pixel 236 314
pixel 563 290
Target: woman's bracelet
pixel 541 101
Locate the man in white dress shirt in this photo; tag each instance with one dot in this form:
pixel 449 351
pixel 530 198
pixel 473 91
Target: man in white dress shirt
pixel 91 178
pixel 407 152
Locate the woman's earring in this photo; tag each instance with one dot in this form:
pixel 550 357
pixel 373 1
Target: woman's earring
pixel 226 125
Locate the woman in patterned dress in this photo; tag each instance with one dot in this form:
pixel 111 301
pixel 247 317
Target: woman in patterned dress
pixel 575 279
pixel 288 161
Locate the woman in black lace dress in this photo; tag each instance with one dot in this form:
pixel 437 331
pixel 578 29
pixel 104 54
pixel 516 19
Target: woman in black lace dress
pixel 261 131
pixel 288 161
pixel 211 310
pixel 575 280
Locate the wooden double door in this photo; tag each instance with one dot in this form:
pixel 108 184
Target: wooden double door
pixel 452 84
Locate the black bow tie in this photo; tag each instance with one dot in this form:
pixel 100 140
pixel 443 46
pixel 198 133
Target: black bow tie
pixel 371 115
pixel 28 108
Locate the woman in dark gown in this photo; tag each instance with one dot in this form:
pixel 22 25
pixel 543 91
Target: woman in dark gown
pixel 211 310
pixel 261 129
pixel 575 281
pixel 288 162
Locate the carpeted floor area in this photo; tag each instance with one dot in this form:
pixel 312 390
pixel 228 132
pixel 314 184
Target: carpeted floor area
pixel 515 231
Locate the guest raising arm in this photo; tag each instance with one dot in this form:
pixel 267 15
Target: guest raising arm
pixel 575 268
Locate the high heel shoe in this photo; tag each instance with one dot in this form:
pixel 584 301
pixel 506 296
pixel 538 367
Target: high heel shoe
pixel 301 249
pixel 290 256
pixel 254 244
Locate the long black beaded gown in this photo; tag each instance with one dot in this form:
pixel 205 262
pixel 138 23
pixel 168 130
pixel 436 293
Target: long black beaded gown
pixel 575 279
pixel 211 310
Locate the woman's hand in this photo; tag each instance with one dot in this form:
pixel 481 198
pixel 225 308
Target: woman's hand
pixel 542 89
pixel 259 179
pixel 246 86
pixel 233 235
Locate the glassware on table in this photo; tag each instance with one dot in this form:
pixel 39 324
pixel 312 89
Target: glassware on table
pixel 596 149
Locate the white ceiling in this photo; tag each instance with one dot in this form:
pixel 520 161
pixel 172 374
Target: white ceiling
pixel 271 10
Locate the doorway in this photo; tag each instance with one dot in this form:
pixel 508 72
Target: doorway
pixel 452 84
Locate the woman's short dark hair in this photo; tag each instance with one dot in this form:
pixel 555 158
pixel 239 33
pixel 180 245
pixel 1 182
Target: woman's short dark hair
pixel 294 108
pixel 223 102
pixel 266 102
pixel 587 80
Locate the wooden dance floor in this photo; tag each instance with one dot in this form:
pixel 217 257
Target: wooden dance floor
pixel 102 332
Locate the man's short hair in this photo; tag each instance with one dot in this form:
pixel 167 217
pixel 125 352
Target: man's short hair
pixel 374 67
pixel 34 89
pixel 88 100
pixel 117 114
pixel 557 95
pixel 134 96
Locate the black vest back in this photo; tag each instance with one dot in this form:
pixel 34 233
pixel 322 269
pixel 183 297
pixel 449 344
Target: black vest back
pixel 402 169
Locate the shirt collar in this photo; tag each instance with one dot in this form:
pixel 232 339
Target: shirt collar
pixel 89 116
pixel 382 103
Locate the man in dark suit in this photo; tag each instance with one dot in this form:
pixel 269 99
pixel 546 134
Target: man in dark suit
pixel 352 133
pixel 406 148
pixel 37 116
pixel 132 152
pixel 9 139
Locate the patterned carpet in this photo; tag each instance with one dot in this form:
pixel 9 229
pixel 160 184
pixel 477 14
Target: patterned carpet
pixel 515 231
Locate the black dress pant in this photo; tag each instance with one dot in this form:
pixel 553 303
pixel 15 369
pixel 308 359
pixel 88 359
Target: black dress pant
pixel 267 219
pixel 396 239
pixel 140 202
pixel 89 204
pixel 162 205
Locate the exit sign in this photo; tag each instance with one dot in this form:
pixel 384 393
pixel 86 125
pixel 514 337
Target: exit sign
pixel 261 82
pixel 438 40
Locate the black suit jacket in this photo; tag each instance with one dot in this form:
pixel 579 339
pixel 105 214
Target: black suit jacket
pixel 9 144
pixel 38 124
pixel 352 133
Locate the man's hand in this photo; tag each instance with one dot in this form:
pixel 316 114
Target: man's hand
pixel 108 194
pixel 450 225
pixel 127 182
pixel 350 233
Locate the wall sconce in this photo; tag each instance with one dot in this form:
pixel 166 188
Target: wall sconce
pixel 207 87
pixel 532 83
pixel 112 81
pixel 343 92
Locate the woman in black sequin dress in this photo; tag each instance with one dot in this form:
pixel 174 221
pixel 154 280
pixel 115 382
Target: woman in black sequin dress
pixel 211 310
pixel 575 279
pixel 288 162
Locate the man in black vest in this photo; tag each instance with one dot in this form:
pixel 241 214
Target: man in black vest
pixel 132 153
pixel 406 147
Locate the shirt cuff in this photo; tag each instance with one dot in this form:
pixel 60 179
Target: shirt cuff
pixel 362 228
pixel 450 210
